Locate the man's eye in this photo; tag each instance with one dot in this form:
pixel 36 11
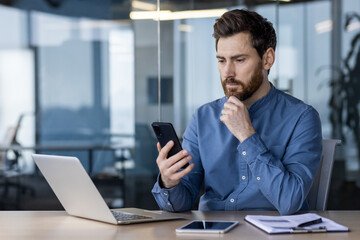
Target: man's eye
pixel 240 60
pixel 220 61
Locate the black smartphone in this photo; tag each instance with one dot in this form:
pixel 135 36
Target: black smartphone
pixel 165 132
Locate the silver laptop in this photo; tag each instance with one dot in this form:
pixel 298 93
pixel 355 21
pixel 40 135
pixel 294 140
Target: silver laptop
pixel 79 196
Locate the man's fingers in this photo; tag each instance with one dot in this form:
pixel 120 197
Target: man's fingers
pixel 226 111
pixel 234 100
pixel 169 167
pixel 167 163
pixel 180 163
pixel 224 118
pixel 230 105
pixel 174 178
pixel 177 157
pixel 178 175
pixel 165 150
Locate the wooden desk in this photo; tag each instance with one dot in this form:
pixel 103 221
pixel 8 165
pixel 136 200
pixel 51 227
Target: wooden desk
pixel 58 225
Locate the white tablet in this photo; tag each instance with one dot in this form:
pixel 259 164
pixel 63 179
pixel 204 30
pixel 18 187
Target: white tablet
pixel 207 226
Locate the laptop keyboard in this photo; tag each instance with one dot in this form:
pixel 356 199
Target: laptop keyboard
pixel 120 216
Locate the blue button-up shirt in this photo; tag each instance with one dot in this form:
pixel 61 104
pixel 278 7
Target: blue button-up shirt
pixel 271 170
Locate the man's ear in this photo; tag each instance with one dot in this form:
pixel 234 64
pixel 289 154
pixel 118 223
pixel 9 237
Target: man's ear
pixel 268 58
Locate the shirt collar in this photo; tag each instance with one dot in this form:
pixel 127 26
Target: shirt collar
pixel 262 102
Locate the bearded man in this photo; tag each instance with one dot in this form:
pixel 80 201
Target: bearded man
pixel 257 148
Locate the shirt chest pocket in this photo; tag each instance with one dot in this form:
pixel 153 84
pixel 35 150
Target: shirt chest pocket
pixel 277 151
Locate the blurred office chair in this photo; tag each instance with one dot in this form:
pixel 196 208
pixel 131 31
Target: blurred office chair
pixel 9 167
pixel 319 190
pixel 7 140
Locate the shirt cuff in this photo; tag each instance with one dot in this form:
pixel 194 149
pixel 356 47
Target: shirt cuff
pixel 252 148
pixel 163 194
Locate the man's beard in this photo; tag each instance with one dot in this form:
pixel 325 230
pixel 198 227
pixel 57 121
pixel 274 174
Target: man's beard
pixel 247 90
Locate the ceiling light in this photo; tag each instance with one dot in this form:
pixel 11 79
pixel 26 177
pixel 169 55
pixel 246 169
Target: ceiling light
pixel 282 0
pixel 324 26
pixel 143 5
pixel 169 15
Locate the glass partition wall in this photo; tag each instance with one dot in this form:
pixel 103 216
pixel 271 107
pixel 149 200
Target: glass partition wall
pixel 97 79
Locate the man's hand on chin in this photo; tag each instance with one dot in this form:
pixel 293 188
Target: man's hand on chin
pixel 235 116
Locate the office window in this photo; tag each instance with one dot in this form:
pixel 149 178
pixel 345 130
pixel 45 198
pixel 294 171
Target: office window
pixel 17 106
pixel 85 84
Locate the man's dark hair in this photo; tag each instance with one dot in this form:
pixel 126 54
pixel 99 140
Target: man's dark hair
pixel 261 31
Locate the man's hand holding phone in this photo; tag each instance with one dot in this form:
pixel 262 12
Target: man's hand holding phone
pixel 169 167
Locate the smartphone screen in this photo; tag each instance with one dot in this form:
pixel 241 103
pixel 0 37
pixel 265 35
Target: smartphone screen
pixel 165 132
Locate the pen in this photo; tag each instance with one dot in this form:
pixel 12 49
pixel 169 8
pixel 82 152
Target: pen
pixel 312 230
pixel 309 223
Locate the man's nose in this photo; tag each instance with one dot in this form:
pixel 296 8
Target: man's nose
pixel 229 70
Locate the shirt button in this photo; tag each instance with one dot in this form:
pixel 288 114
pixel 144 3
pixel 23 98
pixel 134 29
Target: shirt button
pixel 232 200
pixel 243 153
pixel 165 193
pixel 258 178
pixel 168 203
pixel 243 177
